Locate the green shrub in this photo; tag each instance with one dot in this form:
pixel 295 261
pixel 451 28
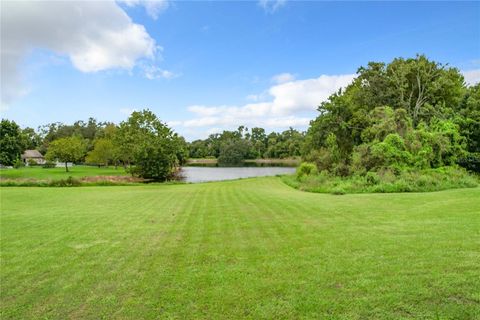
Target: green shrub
pixel 372 178
pixel 338 191
pixel 69 182
pixel 49 165
pixel 18 164
pixel 386 180
pixel 306 169
pixel 471 162
pixel 32 162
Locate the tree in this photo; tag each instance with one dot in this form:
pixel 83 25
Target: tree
pixel 10 142
pixel 233 152
pixel 69 149
pixel 155 150
pixel 407 113
pixel 256 142
pixel 89 130
pixel 103 152
pixel 30 139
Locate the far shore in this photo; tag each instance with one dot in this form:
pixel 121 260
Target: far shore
pixel 289 161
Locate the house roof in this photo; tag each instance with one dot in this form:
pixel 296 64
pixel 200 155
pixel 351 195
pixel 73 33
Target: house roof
pixel 31 154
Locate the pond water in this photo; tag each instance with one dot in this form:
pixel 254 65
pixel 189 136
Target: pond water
pixel 204 174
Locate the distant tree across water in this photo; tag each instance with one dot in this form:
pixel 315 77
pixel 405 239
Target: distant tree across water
pixel 232 147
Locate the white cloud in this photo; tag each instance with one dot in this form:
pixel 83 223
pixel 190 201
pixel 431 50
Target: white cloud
pixel 283 77
pixel 153 7
pixel 471 76
pixel 304 95
pixel 153 72
pixel 258 97
pixel 95 35
pixel 284 108
pixel 270 6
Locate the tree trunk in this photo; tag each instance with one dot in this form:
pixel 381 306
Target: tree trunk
pixel 66 166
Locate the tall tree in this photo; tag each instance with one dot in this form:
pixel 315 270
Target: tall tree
pixel 154 148
pixel 11 144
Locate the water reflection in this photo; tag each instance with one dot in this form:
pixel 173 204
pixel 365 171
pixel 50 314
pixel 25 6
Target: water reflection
pixel 204 174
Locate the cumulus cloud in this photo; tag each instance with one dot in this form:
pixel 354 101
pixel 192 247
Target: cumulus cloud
pixel 270 6
pixel 304 95
pixel 286 103
pixel 472 76
pixel 153 7
pixel 95 35
pixel 283 77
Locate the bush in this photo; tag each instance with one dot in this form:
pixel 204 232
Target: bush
pixel 386 180
pixel 69 182
pixel 338 191
pixel 32 162
pixel 49 164
pixel 471 163
pixel 18 164
pixel 372 178
pixel 306 169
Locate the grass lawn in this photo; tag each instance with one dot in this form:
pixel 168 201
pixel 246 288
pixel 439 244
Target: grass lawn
pixel 59 173
pixel 252 248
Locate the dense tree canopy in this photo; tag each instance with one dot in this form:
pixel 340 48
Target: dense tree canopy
pixel 153 147
pixel 408 113
pixel 10 142
pixel 14 140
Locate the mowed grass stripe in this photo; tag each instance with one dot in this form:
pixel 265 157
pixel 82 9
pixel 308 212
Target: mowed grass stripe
pixel 251 248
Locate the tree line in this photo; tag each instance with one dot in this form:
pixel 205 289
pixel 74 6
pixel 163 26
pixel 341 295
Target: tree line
pixel 408 114
pixel 232 147
pixel 143 144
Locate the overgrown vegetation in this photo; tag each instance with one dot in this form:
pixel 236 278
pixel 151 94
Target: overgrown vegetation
pixel 385 181
pixel 57 173
pixel 398 119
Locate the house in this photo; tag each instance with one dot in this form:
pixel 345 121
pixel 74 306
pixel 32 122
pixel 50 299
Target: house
pixel 30 156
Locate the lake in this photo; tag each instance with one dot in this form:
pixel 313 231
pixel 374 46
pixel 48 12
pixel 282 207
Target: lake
pixel 204 174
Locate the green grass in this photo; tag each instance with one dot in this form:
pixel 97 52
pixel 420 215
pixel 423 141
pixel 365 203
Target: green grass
pixel 252 248
pixel 40 173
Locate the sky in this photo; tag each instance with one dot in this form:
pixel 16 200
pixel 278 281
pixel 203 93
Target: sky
pixel 208 66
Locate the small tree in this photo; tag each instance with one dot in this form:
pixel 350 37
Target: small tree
pixel 70 149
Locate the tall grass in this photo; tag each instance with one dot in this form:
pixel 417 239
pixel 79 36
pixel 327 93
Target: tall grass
pixel 386 181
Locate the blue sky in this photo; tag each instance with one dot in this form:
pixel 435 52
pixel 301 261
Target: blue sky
pixel 207 66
